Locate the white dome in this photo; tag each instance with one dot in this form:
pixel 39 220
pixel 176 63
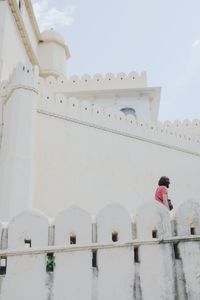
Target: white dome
pixel 52 35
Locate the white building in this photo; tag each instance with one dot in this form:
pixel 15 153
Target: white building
pixel 87 142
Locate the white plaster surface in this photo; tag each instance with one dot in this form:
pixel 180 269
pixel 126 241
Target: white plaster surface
pixel 115 266
pixel 107 166
pixel 17 146
pixel 73 271
pixel 54 62
pixel 25 274
pixel 158 274
pixel 64 145
pixel 156 270
pixel 187 216
pixel 10 39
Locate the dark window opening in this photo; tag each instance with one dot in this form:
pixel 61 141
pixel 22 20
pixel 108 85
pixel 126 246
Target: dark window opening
pixel 128 111
pixel 3 265
pixel 192 231
pixel 136 255
pixel 27 243
pixel 114 237
pixel 20 5
pixel 72 240
pixel 176 251
pixel 50 264
pixel 94 258
pixel 154 234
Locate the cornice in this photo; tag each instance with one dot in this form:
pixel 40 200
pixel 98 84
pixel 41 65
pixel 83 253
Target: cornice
pixel 20 87
pixel 22 30
pixel 47 73
pixel 98 246
pixel 120 132
pixel 32 17
pixel 23 33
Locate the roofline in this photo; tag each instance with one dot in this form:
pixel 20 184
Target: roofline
pixel 154 94
pixel 142 90
pixel 23 32
pixel 32 17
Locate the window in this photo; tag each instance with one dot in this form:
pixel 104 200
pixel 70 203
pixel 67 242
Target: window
pixel 136 255
pixel 114 236
pixel 72 239
pixel 128 111
pixel 50 263
pixel 20 5
pixel 94 258
pixel 176 251
pixel 154 234
pixel 27 243
pixel 3 265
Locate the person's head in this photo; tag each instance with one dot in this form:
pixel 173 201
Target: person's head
pixel 164 180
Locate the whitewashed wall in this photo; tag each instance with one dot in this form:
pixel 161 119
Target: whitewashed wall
pixel 26 273
pixel 115 266
pixel 156 269
pixel 73 273
pixel 84 153
pixel 187 223
pixel 10 39
pixel 18 141
pixel 154 272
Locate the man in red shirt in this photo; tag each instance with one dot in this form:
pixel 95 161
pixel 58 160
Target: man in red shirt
pixel 161 194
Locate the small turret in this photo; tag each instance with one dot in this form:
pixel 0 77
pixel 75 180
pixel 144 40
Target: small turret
pixel 53 53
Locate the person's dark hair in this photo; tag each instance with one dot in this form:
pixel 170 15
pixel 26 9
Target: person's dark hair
pixel 164 180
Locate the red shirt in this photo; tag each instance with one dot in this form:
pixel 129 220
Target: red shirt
pixel 160 191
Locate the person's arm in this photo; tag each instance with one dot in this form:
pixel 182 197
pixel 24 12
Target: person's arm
pixel 165 201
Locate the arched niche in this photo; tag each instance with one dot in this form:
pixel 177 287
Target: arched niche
pixel 114 224
pixel 153 221
pixel 73 226
pixel 28 229
pixel 187 218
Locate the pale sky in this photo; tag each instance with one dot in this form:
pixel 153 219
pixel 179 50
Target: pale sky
pixel 157 36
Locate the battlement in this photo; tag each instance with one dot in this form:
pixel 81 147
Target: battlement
pixel 75 254
pixel 95 83
pixel 24 76
pixel 181 136
pixel 186 126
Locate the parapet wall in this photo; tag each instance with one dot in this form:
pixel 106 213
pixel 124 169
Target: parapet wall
pixel 95 83
pixel 184 136
pixel 24 77
pixel 109 256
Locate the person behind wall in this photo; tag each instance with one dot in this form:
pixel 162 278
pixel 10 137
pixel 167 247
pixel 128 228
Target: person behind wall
pixel 161 194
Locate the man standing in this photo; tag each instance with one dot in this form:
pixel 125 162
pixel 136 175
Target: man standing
pixel 161 194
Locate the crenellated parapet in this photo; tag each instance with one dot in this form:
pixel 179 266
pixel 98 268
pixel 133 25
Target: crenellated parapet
pixel 132 250
pixel 174 135
pixel 24 76
pixel 185 126
pixel 96 83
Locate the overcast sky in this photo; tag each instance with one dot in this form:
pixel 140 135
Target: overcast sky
pixel 157 36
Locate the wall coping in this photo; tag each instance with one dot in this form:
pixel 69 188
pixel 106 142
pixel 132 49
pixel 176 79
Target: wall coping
pixel 139 130
pixel 100 246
